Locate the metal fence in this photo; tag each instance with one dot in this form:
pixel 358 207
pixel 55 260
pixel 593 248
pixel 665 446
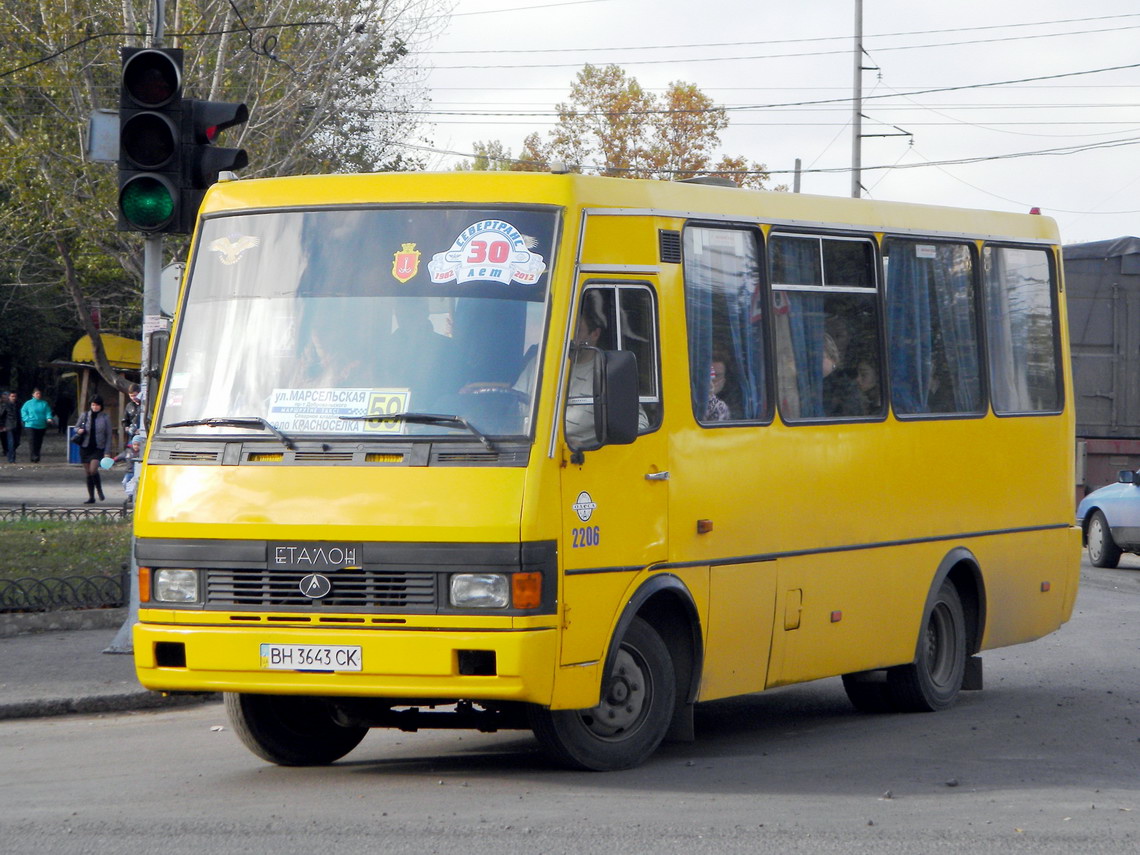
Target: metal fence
pixel 70 592
pixel 122 512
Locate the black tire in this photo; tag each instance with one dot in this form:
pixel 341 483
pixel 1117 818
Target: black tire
pixel 1103 551
pixel 933 680
pixel 290 731
pixel 638 695
pixel 867 691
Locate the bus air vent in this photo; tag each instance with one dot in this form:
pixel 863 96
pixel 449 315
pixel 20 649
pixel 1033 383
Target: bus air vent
pixel 467 456
pixel 669 245
pixel 322 456
pixel 483 458
pixel 196 456
pixel 275 457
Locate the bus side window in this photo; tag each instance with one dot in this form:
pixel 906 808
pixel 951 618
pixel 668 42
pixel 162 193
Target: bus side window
pixel 826 323
pixel 724 307
pixel 1021 326
pixel 614 317
pixel 932 327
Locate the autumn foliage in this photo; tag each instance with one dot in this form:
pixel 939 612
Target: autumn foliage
pixel 611 126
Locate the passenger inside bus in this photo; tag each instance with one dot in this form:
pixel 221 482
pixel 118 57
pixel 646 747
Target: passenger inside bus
pixel 718 409
pixel 841 397
pixel 592 333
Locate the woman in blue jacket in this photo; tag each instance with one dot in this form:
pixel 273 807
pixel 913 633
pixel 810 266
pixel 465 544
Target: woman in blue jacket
pixel 94 429
pixel 37 415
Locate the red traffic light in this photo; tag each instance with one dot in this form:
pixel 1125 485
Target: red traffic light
pixel 151 77
pixel 209 118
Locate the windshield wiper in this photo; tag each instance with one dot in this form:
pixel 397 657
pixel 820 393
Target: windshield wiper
pixel 238 421
pixel 426 419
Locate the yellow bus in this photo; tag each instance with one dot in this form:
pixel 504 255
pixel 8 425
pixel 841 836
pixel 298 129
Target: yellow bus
pixel 573 454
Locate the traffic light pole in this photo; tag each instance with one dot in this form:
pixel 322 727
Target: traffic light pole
pixel 152 276
pixel 167 161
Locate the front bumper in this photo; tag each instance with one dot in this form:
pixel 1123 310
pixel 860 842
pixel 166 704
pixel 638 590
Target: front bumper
pixel 398 664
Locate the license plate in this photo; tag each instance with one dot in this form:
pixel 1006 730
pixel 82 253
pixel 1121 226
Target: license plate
pixel 310 657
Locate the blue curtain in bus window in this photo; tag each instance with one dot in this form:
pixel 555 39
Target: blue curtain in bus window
pixel 908 320
pixel 698 309
pixel 957 322
pixel 933 331
pixel 806 317
pixel 796 261
pixel 748 346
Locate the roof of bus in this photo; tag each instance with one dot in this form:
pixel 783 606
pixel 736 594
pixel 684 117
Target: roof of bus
pixel 680 199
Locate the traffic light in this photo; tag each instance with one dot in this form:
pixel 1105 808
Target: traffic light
pixel 150 141
pixel 202 121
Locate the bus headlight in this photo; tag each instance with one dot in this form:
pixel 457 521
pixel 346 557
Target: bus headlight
pixel 480 591
pixel 174 586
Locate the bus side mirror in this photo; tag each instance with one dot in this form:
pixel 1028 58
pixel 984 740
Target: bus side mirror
pixel 156 357
pixel 1126 476
pixel 616 392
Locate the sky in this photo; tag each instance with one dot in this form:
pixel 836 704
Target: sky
pixel 1031 120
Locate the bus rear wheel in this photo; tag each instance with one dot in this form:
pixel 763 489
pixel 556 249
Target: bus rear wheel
pixel 933 680
pixel 290 731
pixel 638 694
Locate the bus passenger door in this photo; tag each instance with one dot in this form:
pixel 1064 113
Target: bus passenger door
pixel 615 498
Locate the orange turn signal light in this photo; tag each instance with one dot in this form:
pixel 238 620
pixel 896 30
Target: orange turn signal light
pixel 526 590
pixel 144 584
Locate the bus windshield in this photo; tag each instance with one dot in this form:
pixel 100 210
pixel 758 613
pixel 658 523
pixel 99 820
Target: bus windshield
pixel 302 322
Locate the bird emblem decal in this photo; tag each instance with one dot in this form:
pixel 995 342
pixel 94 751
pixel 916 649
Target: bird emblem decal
pixel 231 247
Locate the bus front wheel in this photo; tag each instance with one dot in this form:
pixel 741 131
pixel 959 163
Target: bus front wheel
pixel 638 694
pixel 933 680
pixel 290 731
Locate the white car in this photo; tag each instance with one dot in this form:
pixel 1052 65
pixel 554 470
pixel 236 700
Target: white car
pixel 1110 520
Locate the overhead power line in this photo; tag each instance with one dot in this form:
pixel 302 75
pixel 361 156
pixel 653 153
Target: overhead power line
pixel 1059 151
pixel 842 50
pixel 844 38
pixel 773 105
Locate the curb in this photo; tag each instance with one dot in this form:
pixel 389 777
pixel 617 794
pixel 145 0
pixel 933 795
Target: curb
pixel 116 703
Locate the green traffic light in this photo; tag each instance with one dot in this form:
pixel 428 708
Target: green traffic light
pixel 146 202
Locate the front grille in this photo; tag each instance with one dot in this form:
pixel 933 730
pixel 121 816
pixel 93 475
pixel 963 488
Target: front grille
pixel 350 589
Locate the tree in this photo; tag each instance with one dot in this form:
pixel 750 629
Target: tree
pixel 612 126
pixel 490 156
pixel 331 86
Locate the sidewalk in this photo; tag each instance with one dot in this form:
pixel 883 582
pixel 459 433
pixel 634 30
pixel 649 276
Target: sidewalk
pixel 56 673
pixel 54 664
pixel 53 482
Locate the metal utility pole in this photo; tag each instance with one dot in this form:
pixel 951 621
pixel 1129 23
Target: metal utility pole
pixel 857 107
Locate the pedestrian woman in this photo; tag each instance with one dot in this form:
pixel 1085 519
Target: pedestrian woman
pixel 10 419
pixel 94 430
pixel 37 415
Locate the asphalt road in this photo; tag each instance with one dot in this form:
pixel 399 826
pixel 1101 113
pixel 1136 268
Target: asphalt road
pixel 1045 760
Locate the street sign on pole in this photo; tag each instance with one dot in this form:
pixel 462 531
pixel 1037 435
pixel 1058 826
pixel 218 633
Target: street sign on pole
pixel 103 137
pixel 169 284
